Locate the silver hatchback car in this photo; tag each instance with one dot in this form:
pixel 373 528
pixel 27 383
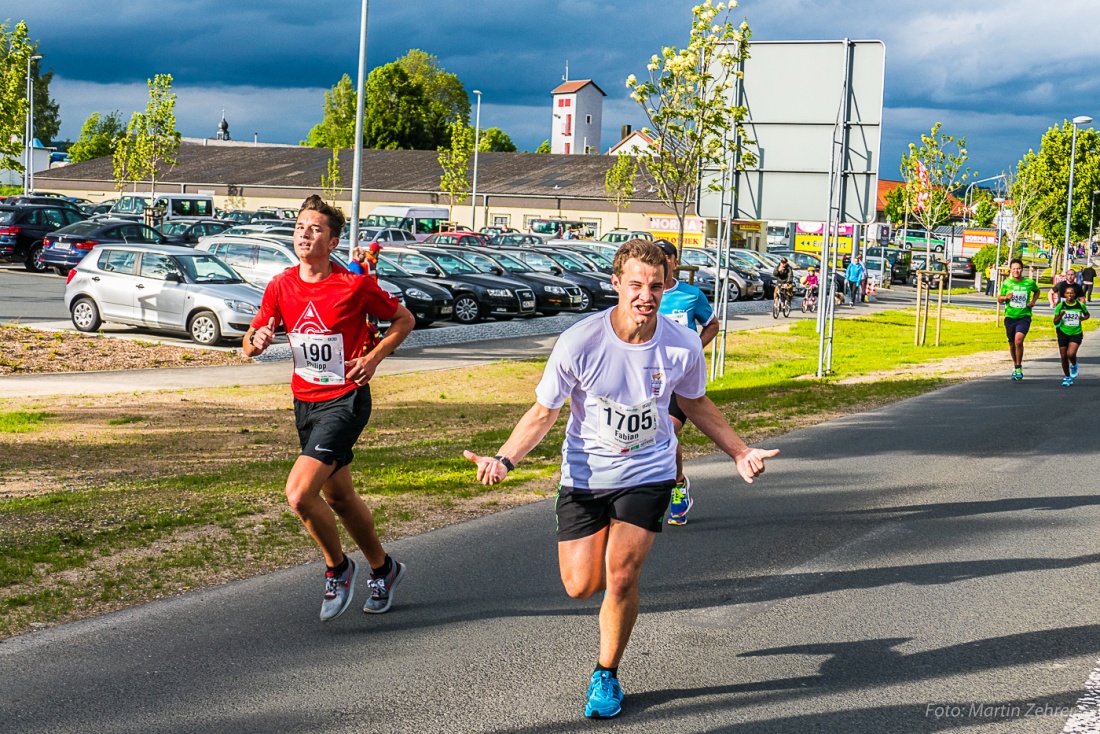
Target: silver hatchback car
pixel 162 287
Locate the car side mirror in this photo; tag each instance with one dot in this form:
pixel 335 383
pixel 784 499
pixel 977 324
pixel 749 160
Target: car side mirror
pixel 435 272
pixel 497 270
pixel 556 269
pixel 172 278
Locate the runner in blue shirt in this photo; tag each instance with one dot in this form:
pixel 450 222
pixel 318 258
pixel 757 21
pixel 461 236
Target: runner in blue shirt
pixel 686 305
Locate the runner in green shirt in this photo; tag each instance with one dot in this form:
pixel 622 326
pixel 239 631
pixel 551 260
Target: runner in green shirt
pixel 1068 317
pixel 1019 295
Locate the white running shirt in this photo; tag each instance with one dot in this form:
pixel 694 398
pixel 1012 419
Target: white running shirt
pixel 619 434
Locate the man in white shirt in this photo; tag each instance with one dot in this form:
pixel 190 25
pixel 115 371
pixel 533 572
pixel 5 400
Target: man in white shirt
pixel 619 369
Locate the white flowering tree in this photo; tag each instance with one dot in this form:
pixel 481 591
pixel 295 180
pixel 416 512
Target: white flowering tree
pixel 690 108
pixel 934 172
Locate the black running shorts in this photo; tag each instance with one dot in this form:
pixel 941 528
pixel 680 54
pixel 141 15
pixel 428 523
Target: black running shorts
pixel 1016 326
pixel 329 429
pixel 584 512
pixel 675 411
pixel 1064 340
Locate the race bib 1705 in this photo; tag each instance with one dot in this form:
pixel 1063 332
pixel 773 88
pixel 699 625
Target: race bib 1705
pixel 625 428
pixel 318 358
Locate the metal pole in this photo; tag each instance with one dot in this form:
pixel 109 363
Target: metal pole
pixel 721 290
pixel 477 141
pixel 1081 120
pixel 360 107
pixel 1092 211
pixel 28 138
pixel 939 313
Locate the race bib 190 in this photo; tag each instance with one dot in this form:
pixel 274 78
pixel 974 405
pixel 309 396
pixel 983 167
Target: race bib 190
pixel 318 358
pixel 625 428
pixel 1019 299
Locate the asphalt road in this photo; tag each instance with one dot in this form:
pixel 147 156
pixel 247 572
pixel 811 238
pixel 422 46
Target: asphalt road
pixel 930 566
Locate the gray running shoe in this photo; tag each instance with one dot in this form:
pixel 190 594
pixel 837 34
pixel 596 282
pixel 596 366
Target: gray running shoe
pixel 338 592
pixel 381 589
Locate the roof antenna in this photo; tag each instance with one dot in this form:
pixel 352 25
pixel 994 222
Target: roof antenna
pixel 566 77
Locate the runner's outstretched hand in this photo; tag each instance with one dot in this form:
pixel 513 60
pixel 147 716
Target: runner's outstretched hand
pixel 489 470
pixel 751 462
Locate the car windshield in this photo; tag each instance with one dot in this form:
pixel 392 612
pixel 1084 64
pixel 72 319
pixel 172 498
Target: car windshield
pixel 512 265
pixel 206 269
pixel 369 233
pixel 600 260
pixel 391 270
pixel 7 215
pixel 570 264
pixel 481 262
pixel 453 266
pixel 174 228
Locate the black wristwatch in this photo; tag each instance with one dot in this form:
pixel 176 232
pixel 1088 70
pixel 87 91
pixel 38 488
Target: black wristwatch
pixel 251 337
pixel 506 461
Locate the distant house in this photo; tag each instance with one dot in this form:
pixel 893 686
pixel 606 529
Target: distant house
pixel 577 118
pixel 632 143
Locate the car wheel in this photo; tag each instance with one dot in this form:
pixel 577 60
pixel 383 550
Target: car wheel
pixel 586 300
pixel 34 262
pixel 467 310
pixel 85 314
pixel 734 291
pixel 205 329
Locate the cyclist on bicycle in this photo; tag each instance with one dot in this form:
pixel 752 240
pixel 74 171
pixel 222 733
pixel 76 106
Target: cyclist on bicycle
pixel 810 281
pixel 784 279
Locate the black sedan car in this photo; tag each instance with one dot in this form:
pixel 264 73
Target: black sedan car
pixel 596 288
pixel 23 230
pixel 552 294
pixel 67 246
pixel 187 232
pixel 477 295
pixel 427 301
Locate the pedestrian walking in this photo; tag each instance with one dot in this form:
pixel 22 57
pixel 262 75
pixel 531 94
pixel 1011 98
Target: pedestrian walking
pixel 1088 277
pixel 1069 314
pixel 324 308
pixel 853 277
pixel 618 369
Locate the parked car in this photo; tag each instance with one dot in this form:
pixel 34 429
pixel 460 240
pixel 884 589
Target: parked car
pixel 461 239
pixel 745 283
pixel 931 280
pixel 174 206
pixel 493 231
pixel 552 294
pixel 91 210
pixel 596 288
pixel 23 231
pixel 516 240
pixel 189 231
pixel 898 261
pixel 427 301
pixel 66 247
pixel 162 287
pixel 801 260
pixel 962 267
pixel 557 228
pixel 619 236
pixel 477 295
pixel 33 199
pixel 384 236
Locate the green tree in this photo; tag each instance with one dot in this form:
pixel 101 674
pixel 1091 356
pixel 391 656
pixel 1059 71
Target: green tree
pixel 151 141
pixel 690 109
pixel 495 140
pixel 933 172
pixel 896 204
pixel 619 183
pixel 98 137
pixel 455 162
pixel 127 161
pixel 544 147
pixel 1029 202
pixel 15 49
pixel 984 210
pixel 394 118
pixel 330 181
pixel 47 112
pixel 337 126
pixel 446 100
pixel 1048 172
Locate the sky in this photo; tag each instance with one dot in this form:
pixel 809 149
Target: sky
pixel 998 72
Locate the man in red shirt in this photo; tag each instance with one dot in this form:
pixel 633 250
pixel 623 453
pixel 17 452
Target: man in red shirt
pixel 324 309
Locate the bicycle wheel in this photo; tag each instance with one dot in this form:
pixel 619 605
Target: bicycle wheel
pixel 775 308
pixel 786 307
pixel 804 306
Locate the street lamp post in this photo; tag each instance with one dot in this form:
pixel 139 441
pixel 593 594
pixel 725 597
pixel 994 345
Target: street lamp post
pixel 1081 120
pixel 28 138
pixel 360 106
pixel 477 141
pixel 1092 220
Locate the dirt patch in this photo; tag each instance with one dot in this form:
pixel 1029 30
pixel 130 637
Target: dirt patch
pixel 27 351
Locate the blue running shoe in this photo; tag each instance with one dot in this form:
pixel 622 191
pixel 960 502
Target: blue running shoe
pixel 681 503
pixel 1073 371
pixel 1067 382
pixel 605 696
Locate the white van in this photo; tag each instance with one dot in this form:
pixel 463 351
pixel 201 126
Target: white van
pixel 422 221
pixel 176 206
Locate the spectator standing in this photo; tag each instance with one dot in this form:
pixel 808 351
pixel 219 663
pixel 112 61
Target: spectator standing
pixel 1088 276
pixel 854 275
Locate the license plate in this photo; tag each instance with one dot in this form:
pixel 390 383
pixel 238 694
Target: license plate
pixel 61 246
pixel 575 300
pixel 447 309
pixel 528 304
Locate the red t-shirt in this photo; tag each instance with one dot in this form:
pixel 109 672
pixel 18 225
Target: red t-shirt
pixel 327 326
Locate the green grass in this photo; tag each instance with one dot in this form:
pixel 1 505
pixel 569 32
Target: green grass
pixel 21 422
pixel 237 515
pixel 125 420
